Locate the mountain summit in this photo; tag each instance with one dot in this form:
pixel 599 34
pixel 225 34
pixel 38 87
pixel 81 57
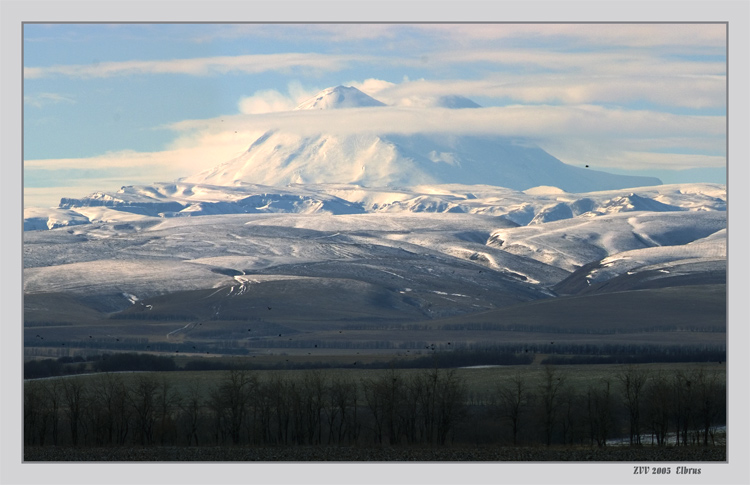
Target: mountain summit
pixel 391 159
pixel 339 97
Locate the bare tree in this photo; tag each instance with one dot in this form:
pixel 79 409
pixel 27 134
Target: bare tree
pixel 34 416
pixel 74 397
pixel 167 401
pixel 549 395
pixel 658 399
pixel 236 389
pixel 512 402
pixel 710 400
pixel 190 414
pixel 600 412
pixel 144 407
pixel 632 382
pixel 451 407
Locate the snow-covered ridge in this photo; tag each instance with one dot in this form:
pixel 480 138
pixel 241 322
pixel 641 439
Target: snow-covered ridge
pixel 530 207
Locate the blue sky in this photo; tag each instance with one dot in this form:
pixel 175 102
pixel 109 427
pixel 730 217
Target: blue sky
pixel 107 105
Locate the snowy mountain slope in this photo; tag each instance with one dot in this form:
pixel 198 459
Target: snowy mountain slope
pixel 701 261
pixel 572 243
pixel 423 257
pixel 181 199
pixel 458 236
pixel 39 218
pixel 147 259
pixel 390 160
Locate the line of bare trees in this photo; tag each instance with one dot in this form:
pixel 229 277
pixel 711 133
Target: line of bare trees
pixel 243 407
pixel 634 405
pixel 393 407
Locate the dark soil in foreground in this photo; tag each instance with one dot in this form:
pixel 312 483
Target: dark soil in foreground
pixel 347 454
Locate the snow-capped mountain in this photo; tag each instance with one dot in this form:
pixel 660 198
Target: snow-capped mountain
pixel 367 228
pixel 279 158
pixel 339 97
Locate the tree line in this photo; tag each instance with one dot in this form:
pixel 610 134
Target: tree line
pixel 392 407
pixel 427 356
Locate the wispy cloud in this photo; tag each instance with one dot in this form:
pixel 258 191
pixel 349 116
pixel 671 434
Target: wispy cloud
pixel 204 66
pixel 330 32
pixel 609 34
pixel 44 99
pixel 515 120
pixel 272 100
pixel 707 91
pixel 707 35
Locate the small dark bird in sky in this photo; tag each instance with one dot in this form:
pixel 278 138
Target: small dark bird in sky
pixel 316 346
pixel 552 343
pixel 268 307
pixel 279 335
pixel 117 339
pixel 587 166
pixel 248 329
pixel 90 336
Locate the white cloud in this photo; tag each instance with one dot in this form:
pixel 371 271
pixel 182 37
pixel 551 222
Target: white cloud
pixel 679 90
pixel 618 34
pixel 372 86
pixel 271 100
pixel 43 99
pixel 249 64
pixel 609 34
pixel 517 120
pixel 267 101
